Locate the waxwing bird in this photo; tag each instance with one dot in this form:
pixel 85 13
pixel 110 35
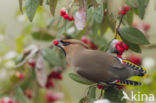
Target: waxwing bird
pixel 97 66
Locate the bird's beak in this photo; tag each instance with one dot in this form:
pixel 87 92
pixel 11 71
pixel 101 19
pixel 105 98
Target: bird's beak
pixel 60 45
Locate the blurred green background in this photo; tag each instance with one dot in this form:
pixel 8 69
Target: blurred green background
pixel 14 36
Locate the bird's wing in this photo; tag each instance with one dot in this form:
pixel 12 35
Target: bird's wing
pixel 117 63
pixel 98 58
pixel 97 65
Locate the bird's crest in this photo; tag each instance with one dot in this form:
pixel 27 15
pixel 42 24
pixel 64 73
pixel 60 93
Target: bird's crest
pixel 74 41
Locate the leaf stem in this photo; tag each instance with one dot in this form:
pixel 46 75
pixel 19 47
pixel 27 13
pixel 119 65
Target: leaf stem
pixel 117 29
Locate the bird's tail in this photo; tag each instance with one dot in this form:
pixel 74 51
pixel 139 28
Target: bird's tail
pixel 128 82
pixel 142 70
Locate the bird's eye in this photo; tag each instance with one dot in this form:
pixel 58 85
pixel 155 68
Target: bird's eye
pixel 65 43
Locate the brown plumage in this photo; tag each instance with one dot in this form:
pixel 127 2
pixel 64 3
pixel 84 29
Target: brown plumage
pixel 94 65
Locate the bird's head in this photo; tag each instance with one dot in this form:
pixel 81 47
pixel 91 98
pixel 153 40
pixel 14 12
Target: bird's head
pixel 69 45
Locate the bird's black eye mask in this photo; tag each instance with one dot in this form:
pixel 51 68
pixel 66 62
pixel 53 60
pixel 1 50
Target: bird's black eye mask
pixel 65 43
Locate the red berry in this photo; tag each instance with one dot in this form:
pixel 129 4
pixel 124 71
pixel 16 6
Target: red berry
pixel 135 59
pixel 120 49
pixel 49 84
pixel 123 12
pixel 146 27
pixel 66 16
pixel 10 101
pixel 116 45
pixel 16 102
pixel 55 75
pixel 105 12
pixel 126 8
pixel 70 18
pixel 62 12
pixel 100 87
pixel 55 42
pixel 19 75
pixel 2 101
pixel 125 47
pixel 32 63
pixel 120 43
pixel 51 98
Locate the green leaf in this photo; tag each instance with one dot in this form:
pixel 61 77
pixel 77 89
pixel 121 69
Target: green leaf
pixel 111 21
pixel 114 95
pixel 90 17
pixel 31 7
pixel 92 93
pixel 133 35
pixel 146 2
pixel 19 59
pixel 52 4
pixel 141 9
pixel 77 78
pixel 133 3
pixel 99 13
pixel 107 46
pixel 83 100
pixel 133 47
pixel 41 35
pixel 51 57
pixel 20 95
pixel 129 17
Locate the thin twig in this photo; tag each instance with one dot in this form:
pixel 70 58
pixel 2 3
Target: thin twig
pixel 101 94
pixel 149 46
pixel 117 29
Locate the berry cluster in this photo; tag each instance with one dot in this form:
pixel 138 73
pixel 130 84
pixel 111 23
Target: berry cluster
pixel 89 43
pixel 7 100
pixel 65 15
pixel 124 10
pixel 55 74
pixel 120 47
